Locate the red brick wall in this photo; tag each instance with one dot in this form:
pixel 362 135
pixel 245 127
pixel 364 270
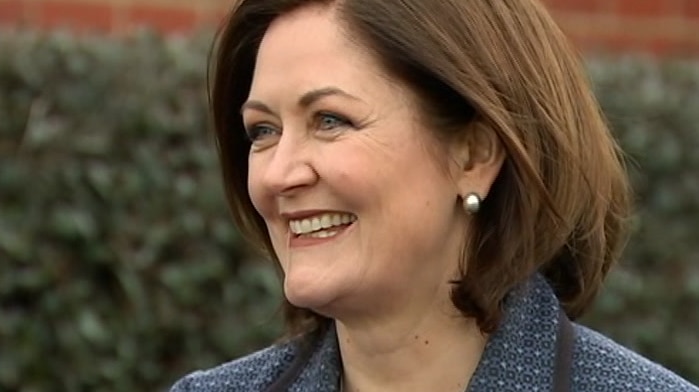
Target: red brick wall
pixel 664 27
pixel 111 15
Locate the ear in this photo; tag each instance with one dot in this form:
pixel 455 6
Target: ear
pixel 479 156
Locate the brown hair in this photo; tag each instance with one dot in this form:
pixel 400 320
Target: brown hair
pixel 559 204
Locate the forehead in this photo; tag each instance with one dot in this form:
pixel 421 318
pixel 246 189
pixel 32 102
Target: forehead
pixel 309 47
pixel 310 24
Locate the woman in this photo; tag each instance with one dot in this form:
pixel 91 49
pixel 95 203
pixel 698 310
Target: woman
pixel 439 188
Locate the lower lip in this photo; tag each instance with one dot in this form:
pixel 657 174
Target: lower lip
pixel 302 241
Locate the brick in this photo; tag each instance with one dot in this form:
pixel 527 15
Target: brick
pixel 665 47
pixel 662 47
pixel 12 12
pixel 663 27
pixel 211 18
pixel 584 6
pixel 78 16
pixel 581 42
pixel 651 8
pixel 691 9
pixel 624 43
pixel 589 26
pixel 166 19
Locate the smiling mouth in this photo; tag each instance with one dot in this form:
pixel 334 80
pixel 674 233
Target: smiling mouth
pixel 321 226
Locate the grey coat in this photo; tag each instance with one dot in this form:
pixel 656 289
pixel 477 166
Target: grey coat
pixel 519 356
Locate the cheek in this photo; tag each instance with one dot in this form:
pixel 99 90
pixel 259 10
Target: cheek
pixel 255 189
pixel 356 165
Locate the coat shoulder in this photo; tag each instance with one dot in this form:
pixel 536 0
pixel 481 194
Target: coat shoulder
pixel 253 372
pixel 602 365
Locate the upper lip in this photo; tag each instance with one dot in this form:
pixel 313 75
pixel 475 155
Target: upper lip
pixel 302 214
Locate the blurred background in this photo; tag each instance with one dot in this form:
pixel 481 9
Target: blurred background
pixel 119 267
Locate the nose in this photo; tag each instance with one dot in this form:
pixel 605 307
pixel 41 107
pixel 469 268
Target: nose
pixel 289 168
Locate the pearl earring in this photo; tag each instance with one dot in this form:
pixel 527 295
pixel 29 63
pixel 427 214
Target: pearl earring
pixel 472 203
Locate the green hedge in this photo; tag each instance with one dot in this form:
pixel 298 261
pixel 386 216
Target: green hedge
pixel 651 303
pixel 120 269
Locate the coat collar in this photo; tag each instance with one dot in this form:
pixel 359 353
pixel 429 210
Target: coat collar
pixel 322 373
pixel 524 346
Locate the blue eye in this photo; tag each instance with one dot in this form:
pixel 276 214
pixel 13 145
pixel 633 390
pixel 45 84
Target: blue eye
pixel 329 121
pixel 260 131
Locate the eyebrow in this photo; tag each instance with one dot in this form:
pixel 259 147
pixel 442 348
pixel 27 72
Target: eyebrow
pixel 304 101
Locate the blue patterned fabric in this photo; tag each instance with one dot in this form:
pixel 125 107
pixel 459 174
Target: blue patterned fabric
pixel 519 356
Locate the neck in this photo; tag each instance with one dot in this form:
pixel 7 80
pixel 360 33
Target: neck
pixel 439 350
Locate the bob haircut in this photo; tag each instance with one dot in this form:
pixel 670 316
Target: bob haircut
pixel 560 203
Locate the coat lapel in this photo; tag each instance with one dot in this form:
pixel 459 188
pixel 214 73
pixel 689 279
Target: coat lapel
pixel 322 373
pixel 520 355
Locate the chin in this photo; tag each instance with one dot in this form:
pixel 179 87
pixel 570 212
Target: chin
pixel 308 294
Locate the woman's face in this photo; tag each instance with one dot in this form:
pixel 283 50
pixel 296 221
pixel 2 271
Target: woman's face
pixel 361 208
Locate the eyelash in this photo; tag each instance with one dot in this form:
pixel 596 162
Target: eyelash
pixel 343 121
pixel 256 131
pixel 260 130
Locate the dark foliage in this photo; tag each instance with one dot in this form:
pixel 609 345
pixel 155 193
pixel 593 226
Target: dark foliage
pixel 120 269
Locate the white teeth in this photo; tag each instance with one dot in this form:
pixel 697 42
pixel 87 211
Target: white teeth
pixel 323 221
pixel 326 221
pixel 315 224
pixel 305 226
pixel 323 234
